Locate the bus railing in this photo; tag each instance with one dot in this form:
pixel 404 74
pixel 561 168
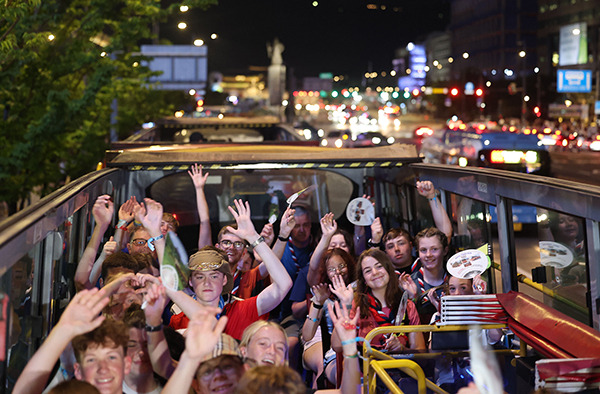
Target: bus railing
pixel 375 363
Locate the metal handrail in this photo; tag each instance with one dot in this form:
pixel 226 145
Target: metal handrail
pixel 371 356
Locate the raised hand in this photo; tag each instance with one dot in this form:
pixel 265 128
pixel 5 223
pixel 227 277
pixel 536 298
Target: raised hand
pixel 426 189
pixel 479 285
pixel 155 300
pixel 433 298
pixel 345 327
pixel 150 215
pixel 203 332
pixel 198 178
pixel 83 312
pixel 268 234
pixel 328 225
pixel 376 230
pixel 126 210
pixel 344 293
pixel 245 227
pixel 408 284
pixel 288 222
pixel 321 293
pixel 103 210
pixel 110 246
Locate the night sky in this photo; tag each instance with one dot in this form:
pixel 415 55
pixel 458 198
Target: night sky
pixel 341 37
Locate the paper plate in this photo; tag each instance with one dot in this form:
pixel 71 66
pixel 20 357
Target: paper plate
pixel 554 254
pixel 467 264
pixel 360 212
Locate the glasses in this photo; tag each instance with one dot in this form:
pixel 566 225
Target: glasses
pixel 228 368
pixel 139 242
pixel 227 243
pixel 339 268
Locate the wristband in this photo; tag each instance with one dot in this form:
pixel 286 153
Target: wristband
pixel 373 244
pixel 313 319
pixel 151 242
pixel 150 328
pixel 258 240
pixel 351 341
pixel 317 306
pixel 282 239
pixel 136 223
pixel 355 355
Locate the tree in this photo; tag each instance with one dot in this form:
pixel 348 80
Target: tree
pixel 62 65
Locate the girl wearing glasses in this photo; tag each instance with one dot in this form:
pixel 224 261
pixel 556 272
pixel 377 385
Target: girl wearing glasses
pixel 337 270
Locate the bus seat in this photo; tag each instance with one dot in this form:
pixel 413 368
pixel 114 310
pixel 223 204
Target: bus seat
pixel 552 333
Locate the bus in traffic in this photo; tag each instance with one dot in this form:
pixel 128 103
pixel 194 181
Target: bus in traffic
pixel 41 246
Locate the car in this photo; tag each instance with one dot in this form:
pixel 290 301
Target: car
pixel 337 139
pixel 483 147
pixel 422 132
pixel 308 131
pixel 370 138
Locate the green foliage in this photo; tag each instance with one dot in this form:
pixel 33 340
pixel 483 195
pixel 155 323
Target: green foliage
pixel 62 65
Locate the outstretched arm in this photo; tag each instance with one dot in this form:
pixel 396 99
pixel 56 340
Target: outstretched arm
pixel 202 336
pixel 81 315
pixel 288 221
pixel 281 283
pixel 199 181
pixel 102 211
pixel 440 216
pixel 328 227
pixel 345 331
pixel 150 215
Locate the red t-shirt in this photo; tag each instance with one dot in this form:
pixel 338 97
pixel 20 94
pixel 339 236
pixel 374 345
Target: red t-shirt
pixel 248 282
pixel 240 313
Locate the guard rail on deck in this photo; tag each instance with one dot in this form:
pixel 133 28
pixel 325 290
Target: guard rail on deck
pixel 375 362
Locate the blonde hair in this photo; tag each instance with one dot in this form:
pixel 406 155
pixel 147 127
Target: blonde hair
pixel 253 328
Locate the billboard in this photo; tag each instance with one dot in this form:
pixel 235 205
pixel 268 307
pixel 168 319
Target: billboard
pixel 574 81
pixel 573 44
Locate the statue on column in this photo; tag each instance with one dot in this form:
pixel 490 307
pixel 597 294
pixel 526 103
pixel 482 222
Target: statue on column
pixel 274 51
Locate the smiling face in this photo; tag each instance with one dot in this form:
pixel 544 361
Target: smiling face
pixel 375 275
pixel 336 265
pixel 220 375
pixel 268 346
pixel 399 251
pixel 431 253
pixel 338 241
pixel 208 285
pixel 104 367
pixel 234 246
pixel 568 227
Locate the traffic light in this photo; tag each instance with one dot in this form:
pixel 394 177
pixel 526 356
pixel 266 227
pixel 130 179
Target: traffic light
pixel 537 111
pixel 454 92
pixel 479 92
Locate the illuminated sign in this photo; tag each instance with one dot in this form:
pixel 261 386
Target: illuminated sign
pixel 573 44
pixel 574 81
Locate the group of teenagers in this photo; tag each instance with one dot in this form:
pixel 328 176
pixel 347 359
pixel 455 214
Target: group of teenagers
pixel 258 306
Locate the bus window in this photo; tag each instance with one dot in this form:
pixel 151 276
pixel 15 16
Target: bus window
pixel 562 263
pixel 265 190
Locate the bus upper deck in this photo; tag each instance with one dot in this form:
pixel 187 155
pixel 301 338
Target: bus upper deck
pixel 554 261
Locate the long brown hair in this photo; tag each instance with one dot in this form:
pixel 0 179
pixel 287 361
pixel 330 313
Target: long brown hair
pixel 348 260
pixel 393 293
